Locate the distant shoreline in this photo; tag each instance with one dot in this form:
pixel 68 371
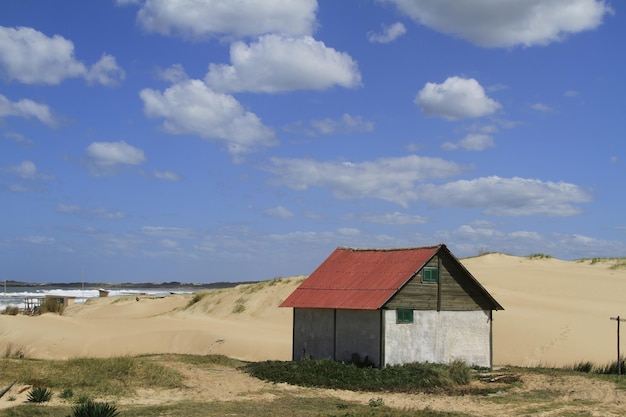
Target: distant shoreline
pixel 134 285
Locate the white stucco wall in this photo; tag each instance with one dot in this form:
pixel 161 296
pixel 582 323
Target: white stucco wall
pixel 438 337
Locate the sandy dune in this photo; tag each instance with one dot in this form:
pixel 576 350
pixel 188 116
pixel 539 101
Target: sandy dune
pixel 557 313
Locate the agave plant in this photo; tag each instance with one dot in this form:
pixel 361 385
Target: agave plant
pixel 94 409
pixel 39 395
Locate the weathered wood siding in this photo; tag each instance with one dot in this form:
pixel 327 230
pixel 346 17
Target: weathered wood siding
pixel 417 295
pixel 458 291
pixel 455 291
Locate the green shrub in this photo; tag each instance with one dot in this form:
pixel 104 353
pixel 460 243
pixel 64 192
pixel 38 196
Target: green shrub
pixel 94 409
pixel 67 393
pixel 338 375
pixel 39 395
pixel 376 402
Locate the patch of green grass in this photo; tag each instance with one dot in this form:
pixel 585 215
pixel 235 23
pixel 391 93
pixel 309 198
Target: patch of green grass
pixel 197 297
pixel 109 376
pixel 539 256
pixel 337 375
pixel 203 361
pixel 240 306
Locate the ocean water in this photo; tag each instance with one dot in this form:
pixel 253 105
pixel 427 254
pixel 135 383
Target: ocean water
pixel 14 296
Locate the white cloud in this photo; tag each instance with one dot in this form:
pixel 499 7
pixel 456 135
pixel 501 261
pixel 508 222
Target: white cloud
pixel 19 138
pixel 169 232
pixel 279 211
pixel 395 219
pixel 27 170
pixel 238 18
pixel 571 93
pixel 390 179
pixel 105 72
pixel 472 142
pixel 456 98
pixel 106 157
pixel 39 240
pixel 347 123
pixel 164 175
pixel 30 57
pixel 27 108
pixel 508 196
pixel 95 212
pixel 277 63
pixel 190 107
pixel 507 23
pixel 389 33
pixel 541 107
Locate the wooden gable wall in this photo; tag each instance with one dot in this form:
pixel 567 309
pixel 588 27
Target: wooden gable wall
pixel 455 291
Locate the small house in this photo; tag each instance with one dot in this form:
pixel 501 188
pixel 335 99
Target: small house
pixel 393 306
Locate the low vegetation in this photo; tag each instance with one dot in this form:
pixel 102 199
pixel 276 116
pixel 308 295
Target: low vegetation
pixel 92 376
pixel 51 305
pixel 614 263
pixel 11 310
pixel 103 387
pixel 39 395
pixel 539 256
pixel 416 377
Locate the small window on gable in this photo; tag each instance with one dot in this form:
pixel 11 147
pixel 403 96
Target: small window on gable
pixel 404 315
pixel 430 274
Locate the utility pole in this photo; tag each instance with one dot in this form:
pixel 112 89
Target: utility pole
pixel 619 358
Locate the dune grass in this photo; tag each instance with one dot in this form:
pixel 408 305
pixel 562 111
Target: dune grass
pixel 283 406
pixel 109 377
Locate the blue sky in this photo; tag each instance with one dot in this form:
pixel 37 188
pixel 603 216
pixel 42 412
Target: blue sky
pixel 202 141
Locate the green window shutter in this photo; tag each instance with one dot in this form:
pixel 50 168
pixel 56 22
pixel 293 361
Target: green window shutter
pixel 404 316
pixel 430 274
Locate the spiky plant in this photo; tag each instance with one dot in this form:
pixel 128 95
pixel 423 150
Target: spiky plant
pixel 39 395
pixel 94 409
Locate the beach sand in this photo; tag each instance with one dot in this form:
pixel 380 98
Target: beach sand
pixel 556 313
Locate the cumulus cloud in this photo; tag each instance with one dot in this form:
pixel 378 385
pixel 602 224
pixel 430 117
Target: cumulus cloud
pixel 27 109
pixel 472 142
pixel 278 63
pixel 30 57
pixel 456 98
pixel 234 18
pixel 507 23
pixel 105 72
pixel 508 196
pixel 108 157
pixel 347 123
pixel 389 33
pixel 389 179
pixel 279 211
pixel 190 107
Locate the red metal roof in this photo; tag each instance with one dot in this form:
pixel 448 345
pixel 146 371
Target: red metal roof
pixel 361 279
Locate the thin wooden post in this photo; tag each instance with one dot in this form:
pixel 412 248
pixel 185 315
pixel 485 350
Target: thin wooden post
pixel 619 357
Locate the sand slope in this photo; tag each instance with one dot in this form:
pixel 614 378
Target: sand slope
pixel 556 313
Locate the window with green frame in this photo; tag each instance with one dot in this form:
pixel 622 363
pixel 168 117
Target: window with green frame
pixel 404 315
pixel 430 274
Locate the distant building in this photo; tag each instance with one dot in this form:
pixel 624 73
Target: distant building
pixel 393 306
